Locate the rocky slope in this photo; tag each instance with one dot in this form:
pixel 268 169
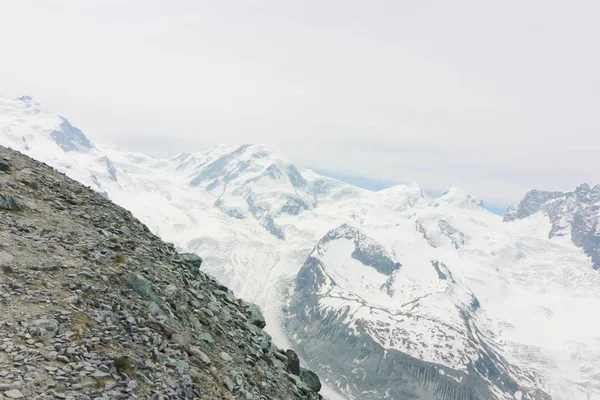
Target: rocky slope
pixel 96 306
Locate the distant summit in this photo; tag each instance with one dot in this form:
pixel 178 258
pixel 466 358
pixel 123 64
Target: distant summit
pixel 70 138
pixel 25 98
pixel 575 213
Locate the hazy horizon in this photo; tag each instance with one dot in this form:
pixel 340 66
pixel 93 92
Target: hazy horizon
pixel 495 98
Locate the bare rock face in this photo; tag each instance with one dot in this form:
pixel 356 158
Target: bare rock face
pixel 4 166
pixel 9 202
pixel 96 306
pixel 70 138
pixel 576 213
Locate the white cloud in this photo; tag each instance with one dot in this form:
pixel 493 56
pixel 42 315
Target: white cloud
pixel 497 97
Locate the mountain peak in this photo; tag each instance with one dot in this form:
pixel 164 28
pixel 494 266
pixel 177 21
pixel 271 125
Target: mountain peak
pixel 413 187
pixel 460 198
pixel 25 98
pixel 70 138
pixel 577 210
pixel 588 194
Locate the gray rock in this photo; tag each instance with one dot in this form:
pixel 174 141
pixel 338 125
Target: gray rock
pixel 155 310
pixel 181 366
pixel 4 165
pixel 281 357
pixel 228 383
pixel 63 359
pixel 181 339
pixel 206 337
pixel 255 316
pixel 132 385
pixel 11 386
pixel 311 379
pixel 45 328
pixel 170 291
pixel 56 394
pixel 225 357
pixel 192 259
pixel 196 352
pixel 99 374
pixel 14 394
pixel 141 286
pixel 9 202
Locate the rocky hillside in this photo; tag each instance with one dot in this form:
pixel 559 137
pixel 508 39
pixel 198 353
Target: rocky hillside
pixel 96 306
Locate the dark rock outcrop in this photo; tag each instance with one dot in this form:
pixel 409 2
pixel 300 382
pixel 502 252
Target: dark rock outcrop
pixel 4 166
pixel 366 250
pixel 70 138
pixel 576 213
pixel 9 202
pixel 311 379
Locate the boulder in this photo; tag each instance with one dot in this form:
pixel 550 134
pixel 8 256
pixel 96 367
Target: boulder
pixel 9 202
pixel 141 286
pixel 181 339
pixel 14 394
pixel 45 328
pixel 199 354
pixel 255 316
pixel 193 260
pixel 311 379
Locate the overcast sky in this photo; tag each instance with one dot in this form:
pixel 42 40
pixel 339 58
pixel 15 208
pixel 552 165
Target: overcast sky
pixel 496 97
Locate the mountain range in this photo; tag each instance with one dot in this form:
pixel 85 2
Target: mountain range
pixel 390 294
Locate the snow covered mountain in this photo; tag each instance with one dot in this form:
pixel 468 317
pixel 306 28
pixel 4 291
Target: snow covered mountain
pixel 389 294
pixel 472 307
pixel 576 213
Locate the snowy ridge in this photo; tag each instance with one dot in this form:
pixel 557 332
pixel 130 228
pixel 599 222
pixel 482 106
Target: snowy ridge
pixel 52 139
pixel 468 306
